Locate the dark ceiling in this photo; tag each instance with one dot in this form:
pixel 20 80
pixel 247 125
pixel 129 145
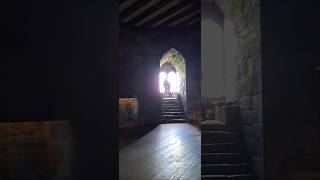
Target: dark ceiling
pixel 155 14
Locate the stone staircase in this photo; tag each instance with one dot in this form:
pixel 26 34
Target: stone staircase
pixel 223 154
pixel 172 111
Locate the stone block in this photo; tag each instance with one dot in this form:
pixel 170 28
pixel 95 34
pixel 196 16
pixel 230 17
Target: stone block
pixel 4 145
pixel 240 70
pixel 258 167
pixel 56 157
pixel 245 102
pixel 242 88
pixel 248 131
pixel 58 131
pixel 249 117
pixel 257 102
pixel 41 129
pixel 257 65
pixel 35 143
pixel 259 148
pixel 255 3
pixel 255 84
pixel 36 159
pixel 220 113
pixel 5 162
pixel 17 165
pixel 251 144
pixel 15 144
pixel 3 130
pixel 248 87
pixel 249 67
pixel 20 129
pixel 257 131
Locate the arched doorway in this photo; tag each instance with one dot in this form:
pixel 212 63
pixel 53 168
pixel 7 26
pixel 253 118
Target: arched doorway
pixel 173 70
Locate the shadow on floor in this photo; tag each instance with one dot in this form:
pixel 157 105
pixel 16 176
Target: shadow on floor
pixel 128 135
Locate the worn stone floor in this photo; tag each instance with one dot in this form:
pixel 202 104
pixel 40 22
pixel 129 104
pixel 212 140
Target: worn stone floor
pixel 167 152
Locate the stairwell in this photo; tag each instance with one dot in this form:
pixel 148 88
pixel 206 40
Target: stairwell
pixel 172 111
pixel 223 154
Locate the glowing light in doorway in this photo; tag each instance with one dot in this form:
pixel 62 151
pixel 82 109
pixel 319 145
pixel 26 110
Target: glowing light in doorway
pixel 174 82
pixel 173 79
pixel 162 77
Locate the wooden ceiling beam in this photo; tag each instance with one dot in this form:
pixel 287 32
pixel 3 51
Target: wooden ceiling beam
pixel 135 9
pixel 155 11
pixel 124 4
pixel 170 13
pixel 194 9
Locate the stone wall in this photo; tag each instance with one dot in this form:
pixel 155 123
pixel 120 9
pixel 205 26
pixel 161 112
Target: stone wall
pixel 36 150
pixel 245 15
pixel 138 75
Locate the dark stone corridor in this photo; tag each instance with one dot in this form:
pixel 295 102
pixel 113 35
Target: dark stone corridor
pixel 160 90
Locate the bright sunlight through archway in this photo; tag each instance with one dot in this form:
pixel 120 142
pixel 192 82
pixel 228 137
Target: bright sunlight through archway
pixel 172 78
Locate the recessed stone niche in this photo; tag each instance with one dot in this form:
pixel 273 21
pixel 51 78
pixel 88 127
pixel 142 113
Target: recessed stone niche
pixel 128 112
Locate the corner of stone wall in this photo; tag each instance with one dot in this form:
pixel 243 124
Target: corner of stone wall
pixel 248 86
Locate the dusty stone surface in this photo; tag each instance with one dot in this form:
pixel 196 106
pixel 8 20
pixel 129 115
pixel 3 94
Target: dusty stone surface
pixel 245 14
pixel 36 150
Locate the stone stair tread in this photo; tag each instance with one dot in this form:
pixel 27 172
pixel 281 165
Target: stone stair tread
pixel 171 107
pixel 174 112
pixel 221 153
pixel 215 158
pixel 173 121
pixel 230 177
pixel 212 122
pixel 219 131
pixel 177 118
pixel 222 147
pixel 226 169
pixel 226 164
pixel 233 175
pixel 219 138
pixel 182 119
pixel 214 128
pixel 170 115
pixel 227 143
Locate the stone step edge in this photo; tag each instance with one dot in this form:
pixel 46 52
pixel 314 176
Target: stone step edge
pixel 226 164
pixel 210 144
pixel 227 176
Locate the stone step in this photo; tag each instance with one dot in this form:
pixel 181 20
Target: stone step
pixel 211 127
pixel 172 109
pixel 173 113
pixel 171 103
pixel 166 105
pixel 224 158
pixel 226 169
pixel 173 116
pixel 181 115
pixel 173 120
pixel 170 100
pixel 172 106
pixel 222 148
pixel 229 177
pixel 208 137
